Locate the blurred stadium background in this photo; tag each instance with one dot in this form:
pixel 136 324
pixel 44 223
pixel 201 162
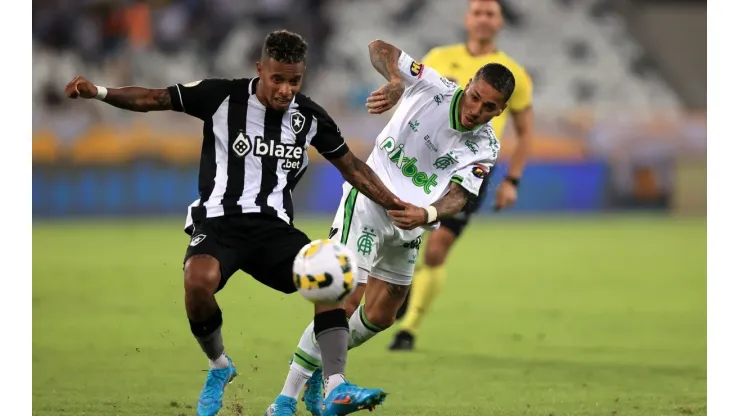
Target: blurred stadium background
pixel 597 293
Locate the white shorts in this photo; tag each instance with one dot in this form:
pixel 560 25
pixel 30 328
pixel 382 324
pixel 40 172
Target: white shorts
pixel 382 250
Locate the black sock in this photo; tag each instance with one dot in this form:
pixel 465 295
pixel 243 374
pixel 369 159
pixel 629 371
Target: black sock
pixel 208 335
pixel 332 335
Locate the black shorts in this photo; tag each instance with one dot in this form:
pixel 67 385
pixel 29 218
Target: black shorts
pixel 458 223
pixel 260 245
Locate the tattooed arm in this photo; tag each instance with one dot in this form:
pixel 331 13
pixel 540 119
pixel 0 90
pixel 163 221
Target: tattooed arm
pixel 139 99
pixel 358 174
pixel 199 99
pixel 452 203
pixel 128 98
pixel 384 58
pixel 412 216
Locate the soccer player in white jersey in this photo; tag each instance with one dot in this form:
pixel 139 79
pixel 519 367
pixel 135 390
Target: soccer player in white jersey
pixel 435 152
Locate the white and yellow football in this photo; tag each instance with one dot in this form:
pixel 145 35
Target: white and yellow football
pixel 325 272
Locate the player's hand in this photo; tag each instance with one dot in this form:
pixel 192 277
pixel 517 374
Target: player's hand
pixel 80 87
pixel 505 196
pixel 385 97
pixel 409 217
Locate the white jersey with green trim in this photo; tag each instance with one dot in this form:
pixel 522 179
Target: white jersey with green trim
pixel 424 146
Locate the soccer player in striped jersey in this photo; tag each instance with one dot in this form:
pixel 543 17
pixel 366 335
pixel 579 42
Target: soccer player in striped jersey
pixel 255 135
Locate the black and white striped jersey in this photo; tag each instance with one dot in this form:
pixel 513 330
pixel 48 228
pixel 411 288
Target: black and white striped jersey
pixel 252 156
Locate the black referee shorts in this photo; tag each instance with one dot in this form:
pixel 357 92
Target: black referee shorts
pixel 260 245
pixel 458 223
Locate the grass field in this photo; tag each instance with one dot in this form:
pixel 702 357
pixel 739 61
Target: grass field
pixel 566 316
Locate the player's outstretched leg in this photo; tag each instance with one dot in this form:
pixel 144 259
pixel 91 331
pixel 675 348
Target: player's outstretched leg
pixel 305 366
pixel 202 278
pixel 324 342
pixel 427 284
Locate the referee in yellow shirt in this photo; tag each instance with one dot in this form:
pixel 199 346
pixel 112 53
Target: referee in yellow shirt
pixel 483 21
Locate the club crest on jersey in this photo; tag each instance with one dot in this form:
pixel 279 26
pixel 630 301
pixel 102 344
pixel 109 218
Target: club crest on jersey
pixel 297 121
pixel 416 69
pixel 479 171
pixel 242 145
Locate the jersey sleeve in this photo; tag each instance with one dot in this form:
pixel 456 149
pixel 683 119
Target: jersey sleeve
pixel 521 99
pixel 418 77
pixel 328 139
pixel 470 176
pixel 200 98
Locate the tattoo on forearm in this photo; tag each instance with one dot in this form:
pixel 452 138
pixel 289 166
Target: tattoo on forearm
pixel 384 58
pixel 139 99
pixel 362 177
pixel 452 203
pixel 371 186
pixel 397 292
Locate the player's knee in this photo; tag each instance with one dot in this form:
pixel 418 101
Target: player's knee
pixel 202 275
pixel 380 317
pixel 435 255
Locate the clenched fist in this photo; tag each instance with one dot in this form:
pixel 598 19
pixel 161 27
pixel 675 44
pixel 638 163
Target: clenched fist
pixel 80 87
pixel 385 97
pixel 505 196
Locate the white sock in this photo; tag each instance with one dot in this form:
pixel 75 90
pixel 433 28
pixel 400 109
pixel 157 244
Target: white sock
pixel 220 362
pixel 331 382
pixel 306 360
pixel 360 329
pixel 295 381
pixel 308 353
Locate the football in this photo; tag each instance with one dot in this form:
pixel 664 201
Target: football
pixel 325 272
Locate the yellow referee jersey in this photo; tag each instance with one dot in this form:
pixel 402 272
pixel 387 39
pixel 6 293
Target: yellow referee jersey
pixel 455 63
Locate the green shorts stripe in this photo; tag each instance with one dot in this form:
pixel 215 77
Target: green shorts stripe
pixel 349 211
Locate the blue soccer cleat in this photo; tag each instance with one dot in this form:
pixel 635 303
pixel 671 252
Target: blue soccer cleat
pixel 313 395
pixel 347 398
pixel 283 406
pixel 211 397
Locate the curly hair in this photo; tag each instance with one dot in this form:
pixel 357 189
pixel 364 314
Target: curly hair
pixel 286 47
pixel 499 77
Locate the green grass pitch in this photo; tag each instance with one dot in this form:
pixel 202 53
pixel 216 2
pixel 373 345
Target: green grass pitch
pixel 562 316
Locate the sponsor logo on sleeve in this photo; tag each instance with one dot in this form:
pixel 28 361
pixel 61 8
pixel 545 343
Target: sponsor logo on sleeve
pixel 416 69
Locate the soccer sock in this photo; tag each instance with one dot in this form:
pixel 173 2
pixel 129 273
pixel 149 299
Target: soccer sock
pixel 208 335
pixel 426 286
pixel 294 382
pixel 332 336
pixel 360 328
pixel 306 360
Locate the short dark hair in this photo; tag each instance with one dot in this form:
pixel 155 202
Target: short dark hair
pixel 286 47
pixel 499 77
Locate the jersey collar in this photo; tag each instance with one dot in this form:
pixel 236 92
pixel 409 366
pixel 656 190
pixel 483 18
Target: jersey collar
pixel 455 123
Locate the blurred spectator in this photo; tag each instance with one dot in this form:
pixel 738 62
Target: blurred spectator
pixel 151 42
